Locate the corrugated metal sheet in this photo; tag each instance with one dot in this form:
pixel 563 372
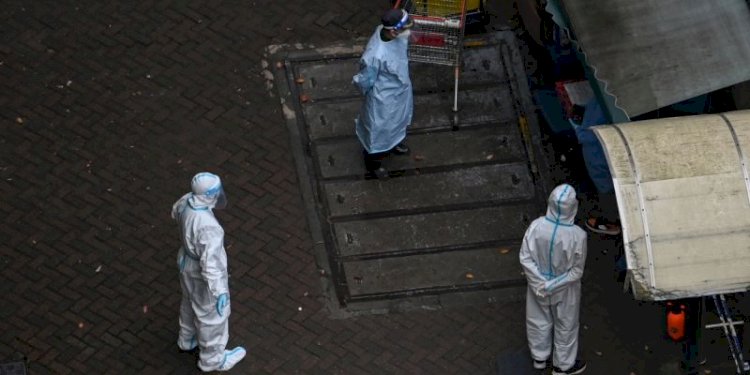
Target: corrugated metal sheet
pixel 684 200
pixel 650 54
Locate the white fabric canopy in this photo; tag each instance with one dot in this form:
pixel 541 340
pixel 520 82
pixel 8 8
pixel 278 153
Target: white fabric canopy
pixel 683 195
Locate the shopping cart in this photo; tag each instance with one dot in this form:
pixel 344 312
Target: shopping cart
pixel 437 34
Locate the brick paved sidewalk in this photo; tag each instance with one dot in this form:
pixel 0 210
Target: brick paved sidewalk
pixel 107 109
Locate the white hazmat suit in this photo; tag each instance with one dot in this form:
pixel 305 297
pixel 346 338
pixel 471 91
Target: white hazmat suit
pixel 202 261
pixel 553 255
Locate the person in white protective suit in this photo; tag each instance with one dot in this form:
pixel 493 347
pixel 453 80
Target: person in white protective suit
pixel 553 254
pixel 383 78
pixel 202 261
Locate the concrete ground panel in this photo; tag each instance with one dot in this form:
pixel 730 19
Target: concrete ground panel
pixel 417 233
pixel 439 271
pixel 323 79
pixel 448 148
pixel 475 185
pixel 493 104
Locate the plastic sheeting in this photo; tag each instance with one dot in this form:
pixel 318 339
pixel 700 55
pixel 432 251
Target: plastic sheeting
pixel 650 54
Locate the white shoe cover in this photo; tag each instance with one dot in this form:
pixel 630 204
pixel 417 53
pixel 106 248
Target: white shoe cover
pixel 231 358
pixel 187 346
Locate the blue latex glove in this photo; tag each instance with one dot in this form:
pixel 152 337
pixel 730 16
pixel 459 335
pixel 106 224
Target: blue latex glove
pixel 221 303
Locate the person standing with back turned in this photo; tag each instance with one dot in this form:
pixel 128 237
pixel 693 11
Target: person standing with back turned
pixel 553 255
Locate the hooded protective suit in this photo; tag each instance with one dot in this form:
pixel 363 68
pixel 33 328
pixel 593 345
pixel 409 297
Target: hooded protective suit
pixel 202 262
pixel 553 255
pixel 389 103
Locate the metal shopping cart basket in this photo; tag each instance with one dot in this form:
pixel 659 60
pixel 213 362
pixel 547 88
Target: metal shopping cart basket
pixel 437 34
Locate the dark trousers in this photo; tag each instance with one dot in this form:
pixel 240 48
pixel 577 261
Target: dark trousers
pixel 606 207
pixel 373 161
pixel 691 346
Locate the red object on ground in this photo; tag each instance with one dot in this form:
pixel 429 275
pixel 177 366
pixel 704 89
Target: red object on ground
pixel 675 321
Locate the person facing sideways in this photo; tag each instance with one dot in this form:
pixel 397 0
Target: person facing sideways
pixel 383 78
pixel 553 254
pixel 202 261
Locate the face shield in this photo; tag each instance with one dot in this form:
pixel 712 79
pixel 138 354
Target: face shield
pixel 218 196
pixel 208 190
pixel 404 34
pixel 402 22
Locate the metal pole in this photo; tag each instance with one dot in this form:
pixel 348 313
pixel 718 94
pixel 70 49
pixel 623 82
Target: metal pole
pixel 727 324
pixel 455 90
pixel 456 71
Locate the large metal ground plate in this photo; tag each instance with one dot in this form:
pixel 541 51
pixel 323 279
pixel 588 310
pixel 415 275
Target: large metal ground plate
pixel 447 227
